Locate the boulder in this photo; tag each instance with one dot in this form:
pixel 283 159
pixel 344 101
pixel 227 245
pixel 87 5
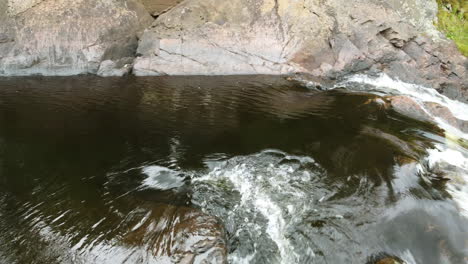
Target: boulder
pixel 65 37
pixel 325 39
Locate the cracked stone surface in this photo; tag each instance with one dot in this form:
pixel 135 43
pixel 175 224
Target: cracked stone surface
pixel 326 39
pixel 156 7
pixel 64 37
pixel 229 37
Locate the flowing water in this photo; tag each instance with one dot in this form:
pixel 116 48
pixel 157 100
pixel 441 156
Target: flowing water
pixel 162 170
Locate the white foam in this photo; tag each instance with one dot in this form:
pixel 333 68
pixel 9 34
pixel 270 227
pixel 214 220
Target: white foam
pixel 447 155
pixel 162 178
pixel 388 85
pixel 458 184
pixel 258 183
pixel 252 192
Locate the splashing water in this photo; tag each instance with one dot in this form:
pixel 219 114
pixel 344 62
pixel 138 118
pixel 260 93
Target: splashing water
pixel 386 85
pixel 271 192
pixel 443 154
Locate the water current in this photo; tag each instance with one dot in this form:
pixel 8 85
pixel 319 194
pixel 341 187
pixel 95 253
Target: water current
pixel 256 168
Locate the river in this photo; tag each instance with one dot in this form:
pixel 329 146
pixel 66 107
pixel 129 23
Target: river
pixel 160 169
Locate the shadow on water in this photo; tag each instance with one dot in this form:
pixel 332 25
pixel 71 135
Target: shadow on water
pixel 103 170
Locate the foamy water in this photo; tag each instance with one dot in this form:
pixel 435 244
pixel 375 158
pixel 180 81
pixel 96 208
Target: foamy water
pixel 275 191
pixel 263 197
pixel 443 154
pixel 383 83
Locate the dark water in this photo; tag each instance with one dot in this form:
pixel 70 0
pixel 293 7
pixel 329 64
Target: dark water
pixel 160 170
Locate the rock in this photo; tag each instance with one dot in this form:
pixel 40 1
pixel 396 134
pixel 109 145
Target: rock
pixel 327 39
pixel 156 7
pixel 180 235
pixel 147 44
pixel 399 144
pixel 445 114
pixel 408 107
pixel 426 111
pixel 65 37
pixel 115 68
pixel 384 258
pixel 4 38
pixel 441 112
pixel 388 261
pixel 216 37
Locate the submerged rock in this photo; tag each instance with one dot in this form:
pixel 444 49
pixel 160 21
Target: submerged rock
pixel 180 235
pixel 64 37
pixel 424 111
pixel 445 114
pixel 406 106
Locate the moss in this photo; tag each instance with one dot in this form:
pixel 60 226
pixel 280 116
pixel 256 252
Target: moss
pixel 453 21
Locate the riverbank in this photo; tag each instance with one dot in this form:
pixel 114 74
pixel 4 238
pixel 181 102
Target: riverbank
pixel 328 41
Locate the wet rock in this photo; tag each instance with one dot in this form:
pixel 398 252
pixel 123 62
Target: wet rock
pixel 399 144
pixel 66 37
pixel 445 114
pixel 180 235
pixel 408 107
pixel 425 111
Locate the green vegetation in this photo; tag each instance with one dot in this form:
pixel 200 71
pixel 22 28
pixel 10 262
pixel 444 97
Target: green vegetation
pixel 453 21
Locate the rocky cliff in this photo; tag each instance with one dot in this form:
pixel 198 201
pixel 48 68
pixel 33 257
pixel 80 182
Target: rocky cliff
pixel 63 37
pixel 324 39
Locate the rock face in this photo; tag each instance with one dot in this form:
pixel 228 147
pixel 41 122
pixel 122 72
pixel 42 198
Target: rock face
pixel 231 37
pixel 156 7
pixel 63 37
pixel 327 39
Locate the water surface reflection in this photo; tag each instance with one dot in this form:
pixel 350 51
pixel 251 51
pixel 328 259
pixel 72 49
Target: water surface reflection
pixel 173 169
